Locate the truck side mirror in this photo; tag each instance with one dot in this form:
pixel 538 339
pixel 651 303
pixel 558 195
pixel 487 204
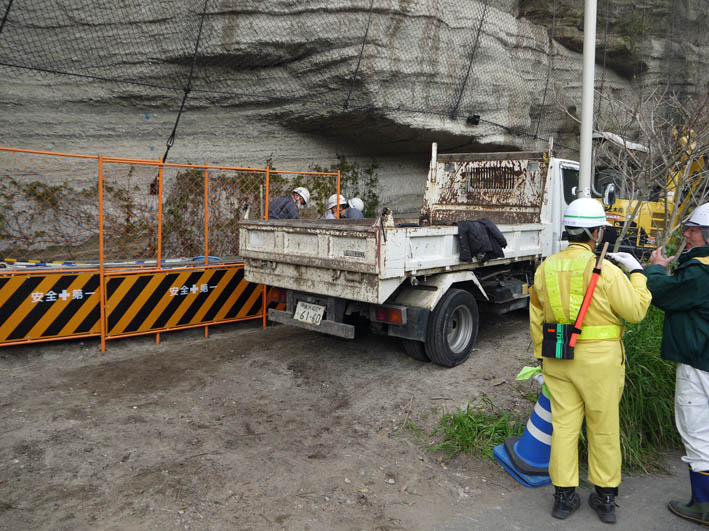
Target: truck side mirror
pixel 609 195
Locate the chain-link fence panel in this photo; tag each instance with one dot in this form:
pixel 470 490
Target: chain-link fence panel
pixel 130 212
pixel 183 212
pixel 233 196
pixel 44 217
pixel 230 196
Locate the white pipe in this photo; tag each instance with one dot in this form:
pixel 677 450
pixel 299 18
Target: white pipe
pixel 434 161
pixel 589 63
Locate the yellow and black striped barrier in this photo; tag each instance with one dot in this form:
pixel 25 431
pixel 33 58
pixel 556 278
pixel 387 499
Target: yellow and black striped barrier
pixel 42 305
pixel 157 301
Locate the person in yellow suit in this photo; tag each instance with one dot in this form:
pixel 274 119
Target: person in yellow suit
pixel 591 384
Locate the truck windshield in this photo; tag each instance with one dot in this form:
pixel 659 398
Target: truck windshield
pixel 570 177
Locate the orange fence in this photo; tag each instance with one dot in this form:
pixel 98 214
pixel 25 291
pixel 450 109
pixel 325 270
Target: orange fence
pixel 110 247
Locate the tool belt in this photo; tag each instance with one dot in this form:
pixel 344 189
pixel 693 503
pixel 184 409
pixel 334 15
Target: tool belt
pixel 555 341
pixel 555 338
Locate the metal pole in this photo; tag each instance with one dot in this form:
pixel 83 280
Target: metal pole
pixel 589 62
pixel 264 305
pixel 101 265
pixel 206 226
pixel 337 215
pixel 206 214
pixel 265 208
pixel 158 263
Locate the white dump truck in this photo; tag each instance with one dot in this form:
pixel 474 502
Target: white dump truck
pixel 406 276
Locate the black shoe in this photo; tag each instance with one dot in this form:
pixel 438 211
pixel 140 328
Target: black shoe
pixel 689 512
pixel 566 501
pixel 603 502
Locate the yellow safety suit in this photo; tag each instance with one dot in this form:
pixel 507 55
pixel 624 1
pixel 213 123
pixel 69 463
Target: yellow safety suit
pixel 592 383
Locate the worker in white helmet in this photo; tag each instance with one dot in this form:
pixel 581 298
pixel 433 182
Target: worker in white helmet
pixel 332 202
pixel 587 381
pixel 286 206
pixel 355 208
pixel 684 297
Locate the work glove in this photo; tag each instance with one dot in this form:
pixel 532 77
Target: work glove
pixel 626 262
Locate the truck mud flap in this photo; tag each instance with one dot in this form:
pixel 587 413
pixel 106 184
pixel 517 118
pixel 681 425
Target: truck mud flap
pixel 415 327
pixel 326 327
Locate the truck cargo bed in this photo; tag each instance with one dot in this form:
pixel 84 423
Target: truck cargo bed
pixel 358 259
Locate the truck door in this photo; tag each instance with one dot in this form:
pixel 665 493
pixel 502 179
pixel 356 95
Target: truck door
pixel 569 182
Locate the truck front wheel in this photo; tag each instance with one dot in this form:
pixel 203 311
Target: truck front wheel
pixel 452 328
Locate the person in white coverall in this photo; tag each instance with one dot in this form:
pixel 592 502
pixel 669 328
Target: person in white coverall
pixel 684 297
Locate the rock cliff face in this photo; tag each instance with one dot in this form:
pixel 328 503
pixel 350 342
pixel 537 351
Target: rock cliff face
pixel 302 81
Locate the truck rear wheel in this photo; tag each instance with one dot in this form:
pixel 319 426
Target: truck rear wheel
pixel 452 328
pixel 416 350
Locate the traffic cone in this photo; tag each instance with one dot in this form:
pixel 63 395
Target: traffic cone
pixel 526 458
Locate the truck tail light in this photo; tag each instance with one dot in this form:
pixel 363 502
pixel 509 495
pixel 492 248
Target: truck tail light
pixel 390 315
pixel 279 295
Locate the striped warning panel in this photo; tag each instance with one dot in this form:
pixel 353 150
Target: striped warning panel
pixel 272 303
pixel 157 301
pixel 48 305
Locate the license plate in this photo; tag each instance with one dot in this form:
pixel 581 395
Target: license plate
pixel 309 313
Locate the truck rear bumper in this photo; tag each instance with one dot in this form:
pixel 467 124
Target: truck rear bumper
pixel 325 326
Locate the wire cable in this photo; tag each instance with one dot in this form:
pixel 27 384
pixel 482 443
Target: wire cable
pixel 454 110
pixel 361 52
pixel 4 17
pixel 188 88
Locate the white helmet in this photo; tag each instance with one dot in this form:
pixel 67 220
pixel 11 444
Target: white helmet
pixel 332 201
pixel 303 192
pixel 357 203
pixel 586 213
pixel 700 217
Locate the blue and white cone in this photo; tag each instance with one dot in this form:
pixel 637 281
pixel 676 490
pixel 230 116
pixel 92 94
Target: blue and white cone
pixel 526 458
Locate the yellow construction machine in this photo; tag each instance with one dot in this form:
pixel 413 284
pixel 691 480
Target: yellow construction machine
pixel 656 215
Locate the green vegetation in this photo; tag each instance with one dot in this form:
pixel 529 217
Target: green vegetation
pixel 646 409
pixel 62 221
pixel 355 181
pixel 231 196
pixel 478 429
pixel 631 30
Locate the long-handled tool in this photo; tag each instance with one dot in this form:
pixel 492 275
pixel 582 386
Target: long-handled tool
pixel 587 297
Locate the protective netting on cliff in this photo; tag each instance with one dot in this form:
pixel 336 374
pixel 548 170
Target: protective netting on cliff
pixel 457 61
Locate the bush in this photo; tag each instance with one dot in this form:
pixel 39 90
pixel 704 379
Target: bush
pixel 477 429
pixel 647 407
pixel 355 181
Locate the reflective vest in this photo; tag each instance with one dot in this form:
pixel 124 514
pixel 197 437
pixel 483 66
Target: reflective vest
pixel 554 265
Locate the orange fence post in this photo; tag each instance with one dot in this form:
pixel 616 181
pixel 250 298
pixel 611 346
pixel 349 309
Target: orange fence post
pixel 206 226
pixel 338 194
pixel 159 257
pixel 158 263
pixel 101 265
pixel 206 215
pixel 268 175
pixel 265 216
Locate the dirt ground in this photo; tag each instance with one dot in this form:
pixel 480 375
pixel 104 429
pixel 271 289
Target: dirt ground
pixel 250 429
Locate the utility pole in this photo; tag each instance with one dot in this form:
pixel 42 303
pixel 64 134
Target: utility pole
pixel 589 64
